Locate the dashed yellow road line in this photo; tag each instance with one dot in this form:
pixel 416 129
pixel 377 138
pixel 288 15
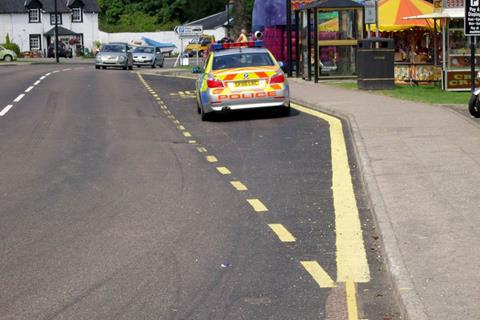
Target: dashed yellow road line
pixel 257 205
pixel 282 233
pixel 352 308
pixel 239 186
pixel 192 141
pixel 212 159
pixel 352 262
pixel 224 170
pixel 318 274
pixel 181 128
pixel 187 134
pixel 201 149
pixel 176 122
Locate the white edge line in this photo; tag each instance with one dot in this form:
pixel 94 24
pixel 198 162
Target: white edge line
pixel 42 77
pixel 37 83
pixel 29 89
pixel 5 110
pixel 20 97
pixel 56 71
pixel 48 74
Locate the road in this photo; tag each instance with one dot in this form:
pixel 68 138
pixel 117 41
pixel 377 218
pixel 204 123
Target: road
pixel 117 202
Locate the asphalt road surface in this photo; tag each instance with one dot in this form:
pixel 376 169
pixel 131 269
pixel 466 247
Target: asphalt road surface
pixel 117 202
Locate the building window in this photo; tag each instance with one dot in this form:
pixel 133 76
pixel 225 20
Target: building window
pixel 35 42
pixel 77 15
pixel 52 18
pixel 34 15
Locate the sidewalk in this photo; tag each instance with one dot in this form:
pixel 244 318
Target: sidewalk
pixel 421 165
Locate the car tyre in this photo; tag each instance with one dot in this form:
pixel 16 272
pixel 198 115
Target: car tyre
pixel 474 106
pixel 204 116
pixel 138 66
pixel 130 67
pixel 97 67
pixel 154 66
pixel 286 111
pixel 104 68
pixel 161 66
pixel 199 111
pixel 7 58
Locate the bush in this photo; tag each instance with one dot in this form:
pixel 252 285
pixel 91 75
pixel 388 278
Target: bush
pixel 12 46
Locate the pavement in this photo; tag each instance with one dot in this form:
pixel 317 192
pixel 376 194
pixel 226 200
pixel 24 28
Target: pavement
pixel 419 164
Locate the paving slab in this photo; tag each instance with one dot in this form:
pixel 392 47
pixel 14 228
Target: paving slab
pixel 419 163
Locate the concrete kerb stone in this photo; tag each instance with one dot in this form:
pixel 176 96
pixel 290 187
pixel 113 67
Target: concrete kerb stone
pixel 410 303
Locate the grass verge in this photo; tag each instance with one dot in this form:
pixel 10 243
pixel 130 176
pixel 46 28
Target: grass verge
pixel 424 93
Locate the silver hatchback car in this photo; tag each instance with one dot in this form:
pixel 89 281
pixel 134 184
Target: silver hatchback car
pixel 148 56
pixel 114 55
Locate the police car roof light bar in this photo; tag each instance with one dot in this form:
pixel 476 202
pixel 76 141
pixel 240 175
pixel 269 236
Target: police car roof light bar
pixel 250 44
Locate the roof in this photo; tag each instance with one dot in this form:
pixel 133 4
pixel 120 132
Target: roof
pixel 212 22
pixel 329 4
pixel 18 6
pixel 61 32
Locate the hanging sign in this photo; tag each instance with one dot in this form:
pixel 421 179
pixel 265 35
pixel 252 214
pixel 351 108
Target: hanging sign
pixel 472 17
pixel 370 13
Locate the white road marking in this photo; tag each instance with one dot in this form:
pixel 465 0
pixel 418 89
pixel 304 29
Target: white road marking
pixel 37 83
pixel 42 77
pixel 68 69
pixel 5 110
pixel 56 71
pixel 48 74
pixel 29 89
pixel 20 97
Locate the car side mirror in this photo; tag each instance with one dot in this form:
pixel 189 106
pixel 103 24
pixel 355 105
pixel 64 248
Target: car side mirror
pixel 282 65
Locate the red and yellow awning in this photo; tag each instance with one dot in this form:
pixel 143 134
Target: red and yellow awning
pixel 392 12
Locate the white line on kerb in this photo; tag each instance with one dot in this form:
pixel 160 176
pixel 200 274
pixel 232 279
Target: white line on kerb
pixel 42 77
pixel 20 97
pixel 5 110
pixel 29 89
pixel 37 83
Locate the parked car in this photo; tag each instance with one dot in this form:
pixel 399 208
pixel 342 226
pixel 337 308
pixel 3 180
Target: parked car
pixel 114 55
pixel 63 51
pixel 200 45
pixel 148 56
pixel 7 55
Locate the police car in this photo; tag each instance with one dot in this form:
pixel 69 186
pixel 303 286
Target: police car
pixel 240 76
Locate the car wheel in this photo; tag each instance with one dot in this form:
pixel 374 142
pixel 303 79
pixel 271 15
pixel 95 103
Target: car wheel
pixel 154 66
pixel 161 66
pixel 199 111
pixel 204 116
pixel 286 111
pixel 474 106
pixel 7 58
pixel 130 67
pixel 97 67
pixel 138 66
pixel 124 68
pixel 104 68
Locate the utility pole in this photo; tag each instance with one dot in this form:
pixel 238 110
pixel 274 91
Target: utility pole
pixel 289 36
pixel 57 58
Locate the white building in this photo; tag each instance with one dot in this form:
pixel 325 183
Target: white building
pixel 31 23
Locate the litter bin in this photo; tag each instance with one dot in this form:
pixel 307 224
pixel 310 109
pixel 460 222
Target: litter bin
pixel 375 59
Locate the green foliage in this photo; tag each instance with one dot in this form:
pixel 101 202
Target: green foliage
pixel 7 39
pixel 12 46
pixel 153 15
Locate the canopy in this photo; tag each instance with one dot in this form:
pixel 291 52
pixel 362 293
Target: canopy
pixel 392 14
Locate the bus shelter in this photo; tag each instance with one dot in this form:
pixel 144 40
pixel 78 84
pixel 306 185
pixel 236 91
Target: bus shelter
pixel 329 31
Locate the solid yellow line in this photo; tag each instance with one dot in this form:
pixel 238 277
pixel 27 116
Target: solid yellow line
pixel 187 134
pixel 212 159
pixel 351 256
pixel 318 274
pixel 257 205
pixel 201 149
pixel 283 234
pixel 224 170
pixel 351 300
pixel 239 186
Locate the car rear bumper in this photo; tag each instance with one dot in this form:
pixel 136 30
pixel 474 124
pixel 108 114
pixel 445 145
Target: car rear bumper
pixel 215 102
pixel 111 64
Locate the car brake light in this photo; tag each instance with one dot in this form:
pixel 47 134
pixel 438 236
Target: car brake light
pixel 278 78
pixel 214 83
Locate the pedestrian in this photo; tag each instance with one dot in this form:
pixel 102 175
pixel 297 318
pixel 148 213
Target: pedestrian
pixel 243 36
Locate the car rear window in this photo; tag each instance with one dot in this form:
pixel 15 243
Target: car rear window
pixel 144 50
pixel 241 60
